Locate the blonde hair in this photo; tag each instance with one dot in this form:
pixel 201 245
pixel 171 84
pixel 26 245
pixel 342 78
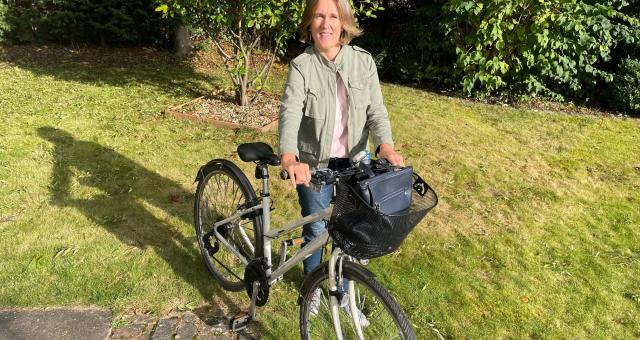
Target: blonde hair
pixel 349 28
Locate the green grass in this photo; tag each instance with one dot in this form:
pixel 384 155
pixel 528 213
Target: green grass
pixel 536 234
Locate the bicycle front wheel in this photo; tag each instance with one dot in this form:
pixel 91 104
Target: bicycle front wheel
pixel 222 187
pixel 379 315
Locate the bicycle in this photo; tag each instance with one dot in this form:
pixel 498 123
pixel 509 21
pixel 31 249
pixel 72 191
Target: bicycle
pixel 234 234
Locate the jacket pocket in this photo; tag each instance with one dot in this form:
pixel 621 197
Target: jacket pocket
pixel 309 148
pixel 359 91
pixel 313 104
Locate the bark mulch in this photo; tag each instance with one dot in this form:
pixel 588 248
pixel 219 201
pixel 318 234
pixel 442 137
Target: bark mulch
pixel 221 107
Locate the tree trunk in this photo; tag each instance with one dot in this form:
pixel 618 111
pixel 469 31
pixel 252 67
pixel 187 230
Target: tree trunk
pixel 241 94
pixel 181 41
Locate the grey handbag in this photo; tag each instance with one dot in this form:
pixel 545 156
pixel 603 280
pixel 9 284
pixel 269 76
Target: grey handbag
pixel 388 192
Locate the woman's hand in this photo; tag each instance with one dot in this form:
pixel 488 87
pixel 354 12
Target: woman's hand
pixel 387 152
pixel 298 172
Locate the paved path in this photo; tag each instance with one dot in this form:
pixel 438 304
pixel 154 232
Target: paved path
pixel 92 323
pixel 86 324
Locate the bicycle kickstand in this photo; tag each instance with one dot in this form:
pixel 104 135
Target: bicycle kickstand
pixel 241 320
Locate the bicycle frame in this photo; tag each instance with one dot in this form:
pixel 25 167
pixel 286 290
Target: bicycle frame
pixel 286 265
pixel 268 235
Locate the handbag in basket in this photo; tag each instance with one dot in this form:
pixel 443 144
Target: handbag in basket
pixel 388 192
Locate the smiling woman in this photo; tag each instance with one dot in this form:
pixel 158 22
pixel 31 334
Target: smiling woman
pixel 328 26
pixel 326 29
pixel 331 102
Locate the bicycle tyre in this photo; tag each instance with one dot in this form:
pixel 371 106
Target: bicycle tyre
pixel 395 323
pixel 222 186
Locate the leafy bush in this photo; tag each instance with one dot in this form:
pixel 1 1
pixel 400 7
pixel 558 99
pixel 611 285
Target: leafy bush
pixel 625 88
pixel 4 26
pixel 81 21
pixel 549 47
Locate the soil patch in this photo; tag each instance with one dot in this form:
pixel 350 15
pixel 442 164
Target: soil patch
pixel 220 107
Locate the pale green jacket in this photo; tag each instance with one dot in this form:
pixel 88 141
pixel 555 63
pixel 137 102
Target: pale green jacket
pixel 308 105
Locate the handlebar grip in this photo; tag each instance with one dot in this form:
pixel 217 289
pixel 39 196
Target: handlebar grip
pixel 285 175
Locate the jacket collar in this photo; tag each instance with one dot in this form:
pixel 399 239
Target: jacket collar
pixel 332 66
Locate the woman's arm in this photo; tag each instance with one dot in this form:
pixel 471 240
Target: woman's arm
pixel 378 120
pixel 292 103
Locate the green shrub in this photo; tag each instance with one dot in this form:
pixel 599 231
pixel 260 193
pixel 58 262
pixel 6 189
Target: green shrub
pixel 4 25
pixel 625 88
pixel 549 47
pixel 132 22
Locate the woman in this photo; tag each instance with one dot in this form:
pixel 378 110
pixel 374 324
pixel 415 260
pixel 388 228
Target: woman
pixel 331 102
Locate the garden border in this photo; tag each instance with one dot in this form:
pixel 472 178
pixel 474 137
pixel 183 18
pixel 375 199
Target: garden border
pixel 173 111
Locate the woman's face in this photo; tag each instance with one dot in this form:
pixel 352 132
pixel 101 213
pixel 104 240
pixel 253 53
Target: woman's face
pixel 326 26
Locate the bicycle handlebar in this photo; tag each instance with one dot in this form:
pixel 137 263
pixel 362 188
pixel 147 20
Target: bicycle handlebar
pixel 328 176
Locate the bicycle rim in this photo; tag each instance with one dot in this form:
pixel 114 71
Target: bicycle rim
pixel 374 304
pixel 218 196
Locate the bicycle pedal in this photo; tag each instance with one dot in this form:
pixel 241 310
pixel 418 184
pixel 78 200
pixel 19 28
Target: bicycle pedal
pixel 240 321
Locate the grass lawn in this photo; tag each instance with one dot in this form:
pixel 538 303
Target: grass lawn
pixel 536 235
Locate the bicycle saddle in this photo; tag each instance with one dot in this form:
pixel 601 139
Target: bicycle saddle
pixel 250 152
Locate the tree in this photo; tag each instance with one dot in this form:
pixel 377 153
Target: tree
pixel 248 34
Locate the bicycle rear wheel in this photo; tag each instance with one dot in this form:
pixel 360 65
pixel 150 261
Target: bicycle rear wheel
pixel 222 187
pixel 379 314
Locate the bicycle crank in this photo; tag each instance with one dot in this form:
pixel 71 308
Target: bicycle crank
pixel 256 271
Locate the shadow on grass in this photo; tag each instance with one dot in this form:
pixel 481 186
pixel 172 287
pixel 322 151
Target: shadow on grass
pixel 128 195
pixel 125 186
pixel 118 67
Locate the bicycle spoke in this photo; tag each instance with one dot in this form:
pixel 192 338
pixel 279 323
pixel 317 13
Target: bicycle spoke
pixel 247 225
pixel 212 201
pixel 218 192
pixel 378 315
pixel 236 191
pixel 227 268
pixel 324 316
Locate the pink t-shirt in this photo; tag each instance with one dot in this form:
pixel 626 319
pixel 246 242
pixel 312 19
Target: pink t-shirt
pixel 339 146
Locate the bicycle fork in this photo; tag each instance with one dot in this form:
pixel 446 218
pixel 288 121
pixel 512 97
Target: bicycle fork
pixel 336 279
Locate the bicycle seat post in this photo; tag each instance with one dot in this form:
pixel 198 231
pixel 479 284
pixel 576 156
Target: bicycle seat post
pixel 262 172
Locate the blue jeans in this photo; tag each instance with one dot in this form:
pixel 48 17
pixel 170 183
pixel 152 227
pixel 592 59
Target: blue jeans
pixel 312 201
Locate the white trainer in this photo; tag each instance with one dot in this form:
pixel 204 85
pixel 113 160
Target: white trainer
pixel 314 305
pixel 344 303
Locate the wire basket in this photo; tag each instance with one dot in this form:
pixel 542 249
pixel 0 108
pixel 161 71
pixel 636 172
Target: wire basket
pixel 364 232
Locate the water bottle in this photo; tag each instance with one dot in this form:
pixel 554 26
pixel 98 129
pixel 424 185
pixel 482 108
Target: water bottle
pixel 355 160
pixel 367 158
pixel 363 161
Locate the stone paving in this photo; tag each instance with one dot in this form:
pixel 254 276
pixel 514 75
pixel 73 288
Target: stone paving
pixel 94 323
pixel 55 323
pixel 179 325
